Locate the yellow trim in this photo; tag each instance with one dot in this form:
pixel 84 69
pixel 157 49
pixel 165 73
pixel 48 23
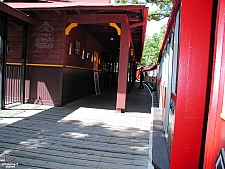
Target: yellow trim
pixel 71 26
pixel 222 115
pixel 173 94
pixel 76 67
pixel 8 63
pixel 49 65
pixel 116 27
pixel 31 64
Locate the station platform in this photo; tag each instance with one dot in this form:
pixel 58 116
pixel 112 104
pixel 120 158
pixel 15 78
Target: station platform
pixel 87 133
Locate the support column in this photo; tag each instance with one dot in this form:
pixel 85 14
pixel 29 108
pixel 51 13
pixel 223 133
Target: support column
pixel 3 45
pixel 123 67
pixel 130 75
pixel 23 65
pixel 134 70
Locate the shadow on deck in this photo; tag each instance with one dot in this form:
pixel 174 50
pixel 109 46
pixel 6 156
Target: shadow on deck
pixel 87 133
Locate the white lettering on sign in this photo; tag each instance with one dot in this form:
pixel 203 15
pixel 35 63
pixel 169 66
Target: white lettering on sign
pixel 45 41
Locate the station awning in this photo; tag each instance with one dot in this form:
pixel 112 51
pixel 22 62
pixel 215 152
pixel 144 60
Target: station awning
pixel 136 15
pixel 15 15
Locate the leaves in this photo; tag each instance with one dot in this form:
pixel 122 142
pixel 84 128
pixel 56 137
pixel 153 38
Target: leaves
pixel 130 1
pixel 152 47
pixel 162 8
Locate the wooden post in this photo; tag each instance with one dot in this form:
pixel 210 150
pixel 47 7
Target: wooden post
pixel 134 70
pixel 3 46
pixel 130 75
pixel 23 65
pixel 123 67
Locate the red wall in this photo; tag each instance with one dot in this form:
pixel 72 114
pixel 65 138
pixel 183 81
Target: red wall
pixel 87 42
pixel 56 57
pixel 14 40
pixel 47 54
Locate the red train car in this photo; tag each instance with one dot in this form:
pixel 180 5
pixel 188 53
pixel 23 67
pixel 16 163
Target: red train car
pixel 191 76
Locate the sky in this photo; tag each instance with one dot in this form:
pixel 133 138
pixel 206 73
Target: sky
pixel 154 26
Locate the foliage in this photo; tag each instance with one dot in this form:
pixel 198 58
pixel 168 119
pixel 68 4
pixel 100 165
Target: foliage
pixel 162 8
pixel 130 1
pixel 152 47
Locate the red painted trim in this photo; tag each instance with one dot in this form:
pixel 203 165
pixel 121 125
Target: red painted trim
pixel 145 18
pixel 160 81
pixel 194 50
pixel 176 7
pixel 123 67
pixel 97 18
pixel 215 138
pixel 73 6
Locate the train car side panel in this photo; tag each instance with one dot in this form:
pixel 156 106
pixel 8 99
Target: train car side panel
pixel 195 29
pixel 215 136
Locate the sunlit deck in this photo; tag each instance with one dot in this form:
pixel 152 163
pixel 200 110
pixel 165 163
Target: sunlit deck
pixel 84 134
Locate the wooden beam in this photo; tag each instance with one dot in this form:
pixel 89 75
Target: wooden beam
pixel 17 14
pixel 71 6
pixel 78 11
pixel 138 24
pixel 145 19
pixel 97 18
pixel 58 11
pixel 23 65
pixel 123 67
pixel 3 46
pixel 37 12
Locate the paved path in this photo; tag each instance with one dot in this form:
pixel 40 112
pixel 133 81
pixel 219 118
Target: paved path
pixel 87 133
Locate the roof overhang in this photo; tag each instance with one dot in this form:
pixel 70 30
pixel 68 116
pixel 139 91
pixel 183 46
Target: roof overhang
pixel 16 14
pixel 92 15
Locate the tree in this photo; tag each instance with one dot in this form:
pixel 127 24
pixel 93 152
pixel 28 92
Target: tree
pixel 162 10
pixel 152 47
pixel 130 1
pixel 162 7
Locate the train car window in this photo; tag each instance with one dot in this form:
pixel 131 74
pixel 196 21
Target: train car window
pixel 175 54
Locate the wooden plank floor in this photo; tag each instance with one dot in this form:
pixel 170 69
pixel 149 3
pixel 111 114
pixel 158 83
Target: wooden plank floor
pixel 35 136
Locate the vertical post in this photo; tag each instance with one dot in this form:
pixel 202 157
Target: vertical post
pixel 123 67
pixel 130 74
pixel 3 46
pixel 134 70
pixel 23 65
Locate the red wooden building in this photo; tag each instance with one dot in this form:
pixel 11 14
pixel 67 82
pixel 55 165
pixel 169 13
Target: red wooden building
pixel 191 84
pixel 50 59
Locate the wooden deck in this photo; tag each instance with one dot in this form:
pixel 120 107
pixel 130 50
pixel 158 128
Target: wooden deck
pixel 34 136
